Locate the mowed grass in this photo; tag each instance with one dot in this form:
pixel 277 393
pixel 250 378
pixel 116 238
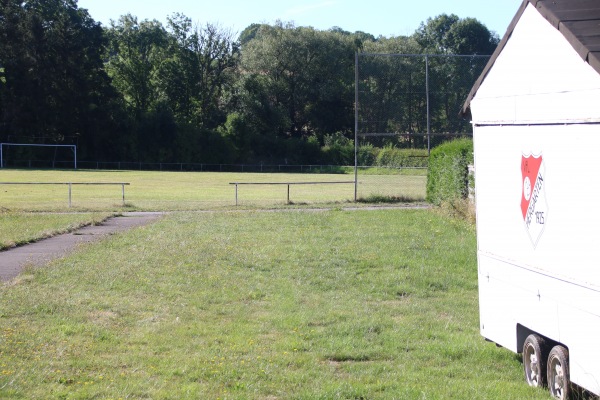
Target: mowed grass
pixel 21 228
pixel 159 191
pixel 259 305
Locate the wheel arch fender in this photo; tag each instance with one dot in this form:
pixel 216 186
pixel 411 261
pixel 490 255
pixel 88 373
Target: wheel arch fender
pixel 523 332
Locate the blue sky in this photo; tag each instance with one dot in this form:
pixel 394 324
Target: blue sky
pixel 386 18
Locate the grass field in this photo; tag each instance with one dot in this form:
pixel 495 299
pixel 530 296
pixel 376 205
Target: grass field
pixel 243 303
pixel 259 305
pixel 21 228
pixel 192 190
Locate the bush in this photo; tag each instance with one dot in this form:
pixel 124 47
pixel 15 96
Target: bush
pixel 393 157
pixel 448 178
pixel 367 154
pixel 338 149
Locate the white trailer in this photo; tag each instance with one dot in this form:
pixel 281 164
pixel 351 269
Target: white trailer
pixel 536 125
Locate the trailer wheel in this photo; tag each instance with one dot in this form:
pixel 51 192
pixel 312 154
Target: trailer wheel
pixel 558 373
pixel 534 360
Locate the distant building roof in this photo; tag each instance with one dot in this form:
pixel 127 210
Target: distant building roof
pixel 577 20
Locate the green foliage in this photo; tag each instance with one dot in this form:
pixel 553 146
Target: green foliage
pixel 448 173
pixel 137 50
pixel 53 83
pixel 199 71
pixel 394 157
pixel 193 143
pixel 367 154
pixel 339 155
pixel 299 93
pixel 249 33
pixel 173 82
pixel 448 34
pixel 392 97
pixel 338 149
pixel 181 92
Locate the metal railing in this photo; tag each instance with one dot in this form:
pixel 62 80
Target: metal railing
pixel 70 184
pixel 284 183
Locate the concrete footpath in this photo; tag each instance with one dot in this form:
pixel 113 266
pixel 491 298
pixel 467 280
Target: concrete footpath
pixel 13 261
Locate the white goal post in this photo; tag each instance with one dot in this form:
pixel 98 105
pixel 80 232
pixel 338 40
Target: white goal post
pixel 72 146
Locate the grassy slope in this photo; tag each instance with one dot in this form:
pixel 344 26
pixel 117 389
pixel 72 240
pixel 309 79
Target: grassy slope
pixel 275 305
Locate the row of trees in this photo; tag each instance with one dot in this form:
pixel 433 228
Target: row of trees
pixel 181 92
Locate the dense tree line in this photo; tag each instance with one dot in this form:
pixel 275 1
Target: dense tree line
pixel 182 92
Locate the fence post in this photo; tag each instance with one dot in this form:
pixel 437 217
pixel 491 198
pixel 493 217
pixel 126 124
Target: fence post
pixel 69 194
pixel 356 77
pixel 428 111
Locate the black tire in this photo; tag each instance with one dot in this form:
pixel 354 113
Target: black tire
pixel 559 381
pixel 534 360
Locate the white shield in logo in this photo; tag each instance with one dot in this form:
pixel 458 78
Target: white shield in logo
pixel 533 198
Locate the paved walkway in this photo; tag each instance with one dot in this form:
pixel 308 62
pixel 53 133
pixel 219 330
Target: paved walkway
pixel 14 260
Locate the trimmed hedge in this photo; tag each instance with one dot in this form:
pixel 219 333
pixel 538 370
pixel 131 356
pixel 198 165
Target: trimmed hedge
pixel 448 171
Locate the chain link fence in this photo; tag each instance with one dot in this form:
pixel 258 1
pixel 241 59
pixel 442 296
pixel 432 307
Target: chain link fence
pixel 406 104
pixel 179 167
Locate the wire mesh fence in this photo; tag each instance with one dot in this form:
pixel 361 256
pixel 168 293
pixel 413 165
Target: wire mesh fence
pixel 181 167
pixel 406 104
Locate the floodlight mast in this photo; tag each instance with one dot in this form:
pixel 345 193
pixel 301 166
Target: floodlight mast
pixel 72 146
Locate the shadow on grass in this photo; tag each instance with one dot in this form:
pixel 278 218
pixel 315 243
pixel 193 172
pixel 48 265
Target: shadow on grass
pixel 381 199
